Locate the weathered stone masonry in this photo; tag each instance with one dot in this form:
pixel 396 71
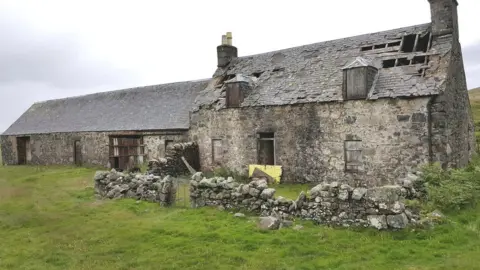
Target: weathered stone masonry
pixel 58 148
pixel 309 138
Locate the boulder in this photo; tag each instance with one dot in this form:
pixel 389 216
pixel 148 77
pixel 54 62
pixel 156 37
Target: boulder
pixel 397 221
pixel 377 221
pixel 254 192
pixel 267 193
pixel 269 223
pixel 259 184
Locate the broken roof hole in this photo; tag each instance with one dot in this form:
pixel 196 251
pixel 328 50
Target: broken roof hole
pixel 422 44
pixel 257 74
pixel 419 60
pixel 380 46
pixel 408 43
pixel 403 62
pixel 389 63
pixel 394 44
pixel 369 48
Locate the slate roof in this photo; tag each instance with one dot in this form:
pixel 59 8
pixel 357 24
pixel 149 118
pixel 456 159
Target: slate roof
pixel 156 107
pixel 313 73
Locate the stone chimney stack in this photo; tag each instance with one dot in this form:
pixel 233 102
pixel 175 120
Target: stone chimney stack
pixel 444 17
pixel 226 52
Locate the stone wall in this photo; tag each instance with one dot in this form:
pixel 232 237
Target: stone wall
pixel 333 203
pixel 310 138
pixel 452 127
pixel 115 185
pixel 173 164
pixel 58 148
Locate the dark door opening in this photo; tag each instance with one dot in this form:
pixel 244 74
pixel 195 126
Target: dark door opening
pixel 266 149
pixel 77 152
pixel 22 149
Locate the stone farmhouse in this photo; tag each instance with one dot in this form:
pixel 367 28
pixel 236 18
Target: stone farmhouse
pixel 364 110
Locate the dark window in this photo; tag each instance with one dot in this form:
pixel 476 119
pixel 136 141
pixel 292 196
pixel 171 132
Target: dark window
pixel 380 46
pixel 353 156
pixel 217 151
pixel 266 148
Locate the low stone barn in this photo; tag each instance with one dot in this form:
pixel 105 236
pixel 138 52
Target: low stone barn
pixel 117 129
pixel 364 110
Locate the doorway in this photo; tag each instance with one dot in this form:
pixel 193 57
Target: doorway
pixel 77 152
pixel 23 145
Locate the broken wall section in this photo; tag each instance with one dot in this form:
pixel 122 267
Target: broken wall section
pixel 332 204
pixel 173 164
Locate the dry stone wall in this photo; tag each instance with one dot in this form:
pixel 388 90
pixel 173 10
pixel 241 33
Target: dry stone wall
pixel 173 164
pixel 327 203
pixel 115 185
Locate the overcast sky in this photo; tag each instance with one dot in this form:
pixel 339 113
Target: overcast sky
pixel 54 49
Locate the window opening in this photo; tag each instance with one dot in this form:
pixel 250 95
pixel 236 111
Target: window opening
pixel 217 151
pixel 353 156
pixel 266 148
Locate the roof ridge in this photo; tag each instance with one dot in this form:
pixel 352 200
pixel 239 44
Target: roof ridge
pixel 338 39
pixel 118 91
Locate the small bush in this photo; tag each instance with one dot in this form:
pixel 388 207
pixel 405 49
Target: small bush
pixel 453 189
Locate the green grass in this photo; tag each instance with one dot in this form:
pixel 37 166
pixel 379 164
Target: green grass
pixel 49 219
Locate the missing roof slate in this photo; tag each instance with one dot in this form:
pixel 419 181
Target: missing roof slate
pixel 408 43
pixel 389 63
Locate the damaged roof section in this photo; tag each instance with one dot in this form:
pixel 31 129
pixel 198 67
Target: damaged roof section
pixel 409 64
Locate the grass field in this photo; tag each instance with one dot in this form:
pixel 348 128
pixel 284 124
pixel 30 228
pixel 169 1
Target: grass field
pixel 49 219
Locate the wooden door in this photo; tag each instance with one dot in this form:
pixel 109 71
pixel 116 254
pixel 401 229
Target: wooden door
pixel 22 150
pixel 77 150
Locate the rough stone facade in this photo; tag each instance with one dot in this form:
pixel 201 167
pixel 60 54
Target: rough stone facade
pixel 310 138
pixel 451 123
pixel 58 148
pixel 334 203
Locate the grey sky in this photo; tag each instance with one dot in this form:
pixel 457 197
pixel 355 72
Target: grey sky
pixel 56 48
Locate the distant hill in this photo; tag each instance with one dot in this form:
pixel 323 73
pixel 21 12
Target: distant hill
pixel 474 94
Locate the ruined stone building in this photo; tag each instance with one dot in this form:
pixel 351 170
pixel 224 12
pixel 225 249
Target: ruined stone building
pixel 363 109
